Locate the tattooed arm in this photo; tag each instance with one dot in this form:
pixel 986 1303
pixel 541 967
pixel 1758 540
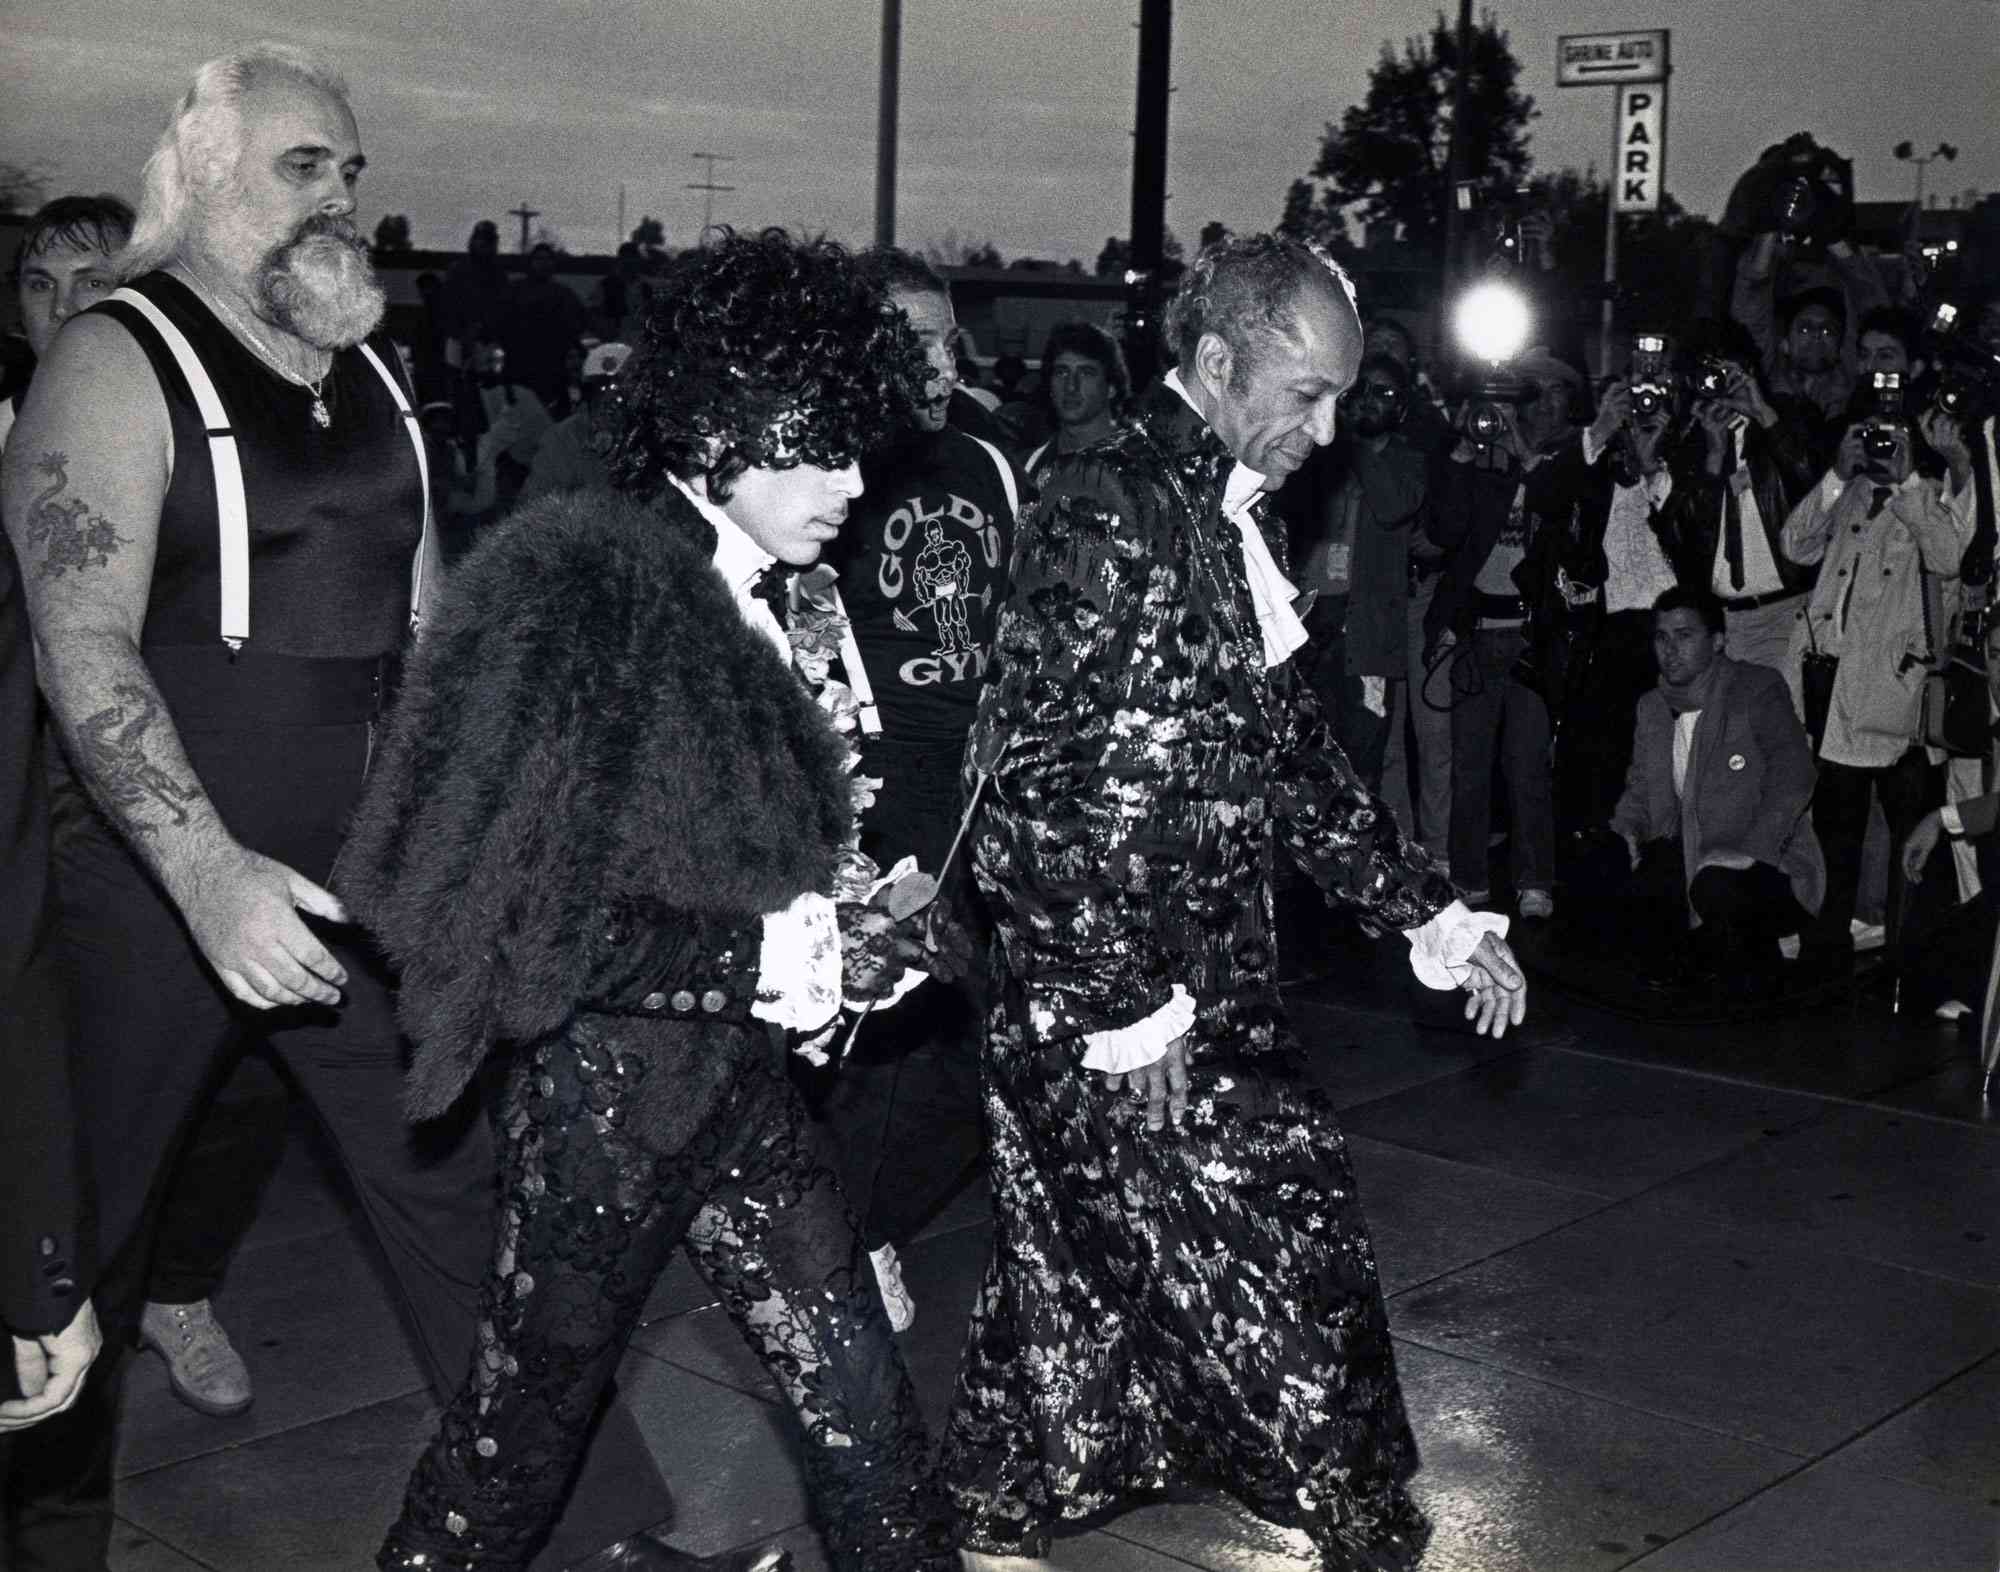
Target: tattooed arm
pixel 86 472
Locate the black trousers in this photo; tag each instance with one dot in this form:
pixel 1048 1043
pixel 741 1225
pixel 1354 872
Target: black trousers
pixel 1909 788
pixel 1744 911
pixel 592 1207
pixel 1593 746
pixel 154 1031
pixel 905 1113
pixel 212 1196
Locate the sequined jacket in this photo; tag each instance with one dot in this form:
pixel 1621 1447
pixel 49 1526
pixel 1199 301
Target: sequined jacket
pixel 1148 761
pixel 596 778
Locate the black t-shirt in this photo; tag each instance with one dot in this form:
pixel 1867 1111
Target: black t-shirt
pixel 923 573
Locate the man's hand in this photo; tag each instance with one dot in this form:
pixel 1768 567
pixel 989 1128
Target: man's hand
pixel 1744 397
pixel 1922 842
pixel 1613 410
pixel 1851 458
pixel 1947 437
pixel 1496 988
pixel 1162 1085
pixel 243 910
pixel 50 1370
pixel 1631 840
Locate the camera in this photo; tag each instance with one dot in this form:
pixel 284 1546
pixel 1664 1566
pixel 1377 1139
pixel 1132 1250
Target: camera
pixel 1652 377
pixel 1711 377
pixel 1967 381
pixel 1880 431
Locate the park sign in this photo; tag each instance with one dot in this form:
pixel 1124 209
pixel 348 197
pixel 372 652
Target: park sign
pixel 1598 59
pixel 1642 148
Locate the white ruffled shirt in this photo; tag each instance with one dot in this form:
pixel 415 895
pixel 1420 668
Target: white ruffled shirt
pixel 798 968
pixel 1440 951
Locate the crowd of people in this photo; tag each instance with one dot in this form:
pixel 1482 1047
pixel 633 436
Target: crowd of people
pixel 569 742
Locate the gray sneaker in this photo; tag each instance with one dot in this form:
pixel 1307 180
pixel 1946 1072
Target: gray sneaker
pixel 204 1370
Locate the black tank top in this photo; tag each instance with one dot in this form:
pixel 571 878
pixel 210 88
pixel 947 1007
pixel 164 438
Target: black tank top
pixel 335 514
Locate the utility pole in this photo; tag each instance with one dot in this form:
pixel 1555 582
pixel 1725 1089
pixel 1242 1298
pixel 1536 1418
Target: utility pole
pixel 886 104
pixel 1455 199
pixel 619 240
pixel 707 187
pixel 524 213
pixel 1149 188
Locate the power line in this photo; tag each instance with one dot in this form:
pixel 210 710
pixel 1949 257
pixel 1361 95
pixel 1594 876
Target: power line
pixel 707 186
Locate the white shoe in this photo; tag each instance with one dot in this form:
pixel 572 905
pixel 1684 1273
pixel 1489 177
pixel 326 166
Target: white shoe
pixel 895 1297
pixel 1788 947
pixel 1538 905
pixel 1867 935
pixel 1953 1010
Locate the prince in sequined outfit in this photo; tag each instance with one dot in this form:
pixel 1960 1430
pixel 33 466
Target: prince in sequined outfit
pixel 609 841
pixel 1182 1289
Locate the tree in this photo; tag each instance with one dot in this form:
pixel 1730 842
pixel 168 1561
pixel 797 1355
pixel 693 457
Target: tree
pixel 548 235
pixel 1388 162
pixel 951 249
pixel 392 235
pixel 1116 256
pixel 1214 232
pixel 1667 261
pixel 650 236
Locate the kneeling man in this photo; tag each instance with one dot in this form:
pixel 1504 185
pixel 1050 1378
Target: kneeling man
pixel 1714 815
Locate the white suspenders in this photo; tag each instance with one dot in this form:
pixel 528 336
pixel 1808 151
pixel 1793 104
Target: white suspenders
pixel 232 512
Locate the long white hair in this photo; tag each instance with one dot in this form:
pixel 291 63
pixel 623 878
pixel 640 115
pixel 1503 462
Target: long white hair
pixel 203 143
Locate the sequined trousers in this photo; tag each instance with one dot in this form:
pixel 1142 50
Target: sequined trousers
pixel 590 1212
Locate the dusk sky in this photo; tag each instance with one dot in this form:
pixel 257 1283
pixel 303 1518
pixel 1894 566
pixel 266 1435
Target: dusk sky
pixel 1016 117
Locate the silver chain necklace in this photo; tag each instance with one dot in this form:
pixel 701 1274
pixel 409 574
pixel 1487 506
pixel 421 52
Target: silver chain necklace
pixel 312 385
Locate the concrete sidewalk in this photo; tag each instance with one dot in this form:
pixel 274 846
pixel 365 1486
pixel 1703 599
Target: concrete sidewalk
pixel 1719 1300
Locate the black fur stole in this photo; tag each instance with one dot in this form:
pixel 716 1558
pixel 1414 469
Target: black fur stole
pixel 587 725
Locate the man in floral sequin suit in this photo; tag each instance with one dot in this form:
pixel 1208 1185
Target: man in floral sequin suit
pixel 1182 1289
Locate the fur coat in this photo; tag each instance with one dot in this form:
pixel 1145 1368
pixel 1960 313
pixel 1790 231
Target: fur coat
pixel 588 730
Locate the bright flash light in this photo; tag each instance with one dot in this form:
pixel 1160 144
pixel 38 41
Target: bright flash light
pixel 1492 321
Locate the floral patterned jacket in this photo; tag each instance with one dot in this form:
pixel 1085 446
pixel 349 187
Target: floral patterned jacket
pixel 1145 762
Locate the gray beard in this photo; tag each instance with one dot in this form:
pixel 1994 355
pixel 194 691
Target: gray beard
pixel 322 290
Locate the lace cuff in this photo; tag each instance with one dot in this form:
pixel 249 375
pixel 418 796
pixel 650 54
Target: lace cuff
pixel 1133 1047
pixel 1440 949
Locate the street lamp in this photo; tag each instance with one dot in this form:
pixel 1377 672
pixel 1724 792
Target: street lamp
pixel 1906 152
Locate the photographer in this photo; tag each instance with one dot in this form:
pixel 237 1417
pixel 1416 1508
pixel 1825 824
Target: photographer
pixel 1805 316
pixel 1355 575
pixel 1625 525
pixel 1737 475
pixel 1519 588
pixel 1885 541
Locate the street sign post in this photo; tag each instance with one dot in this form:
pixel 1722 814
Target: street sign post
pixel 1638 65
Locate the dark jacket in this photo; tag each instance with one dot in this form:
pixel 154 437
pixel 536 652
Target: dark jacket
pixel 1783 468
pixel 1392 487
pixel 1149 762
pixel 597 777
pixel 1749 782
pixel 46 1262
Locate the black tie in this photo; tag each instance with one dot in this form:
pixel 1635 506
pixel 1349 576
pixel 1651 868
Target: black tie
pixel 1732 533
pixel 772 586
pixel 1879 500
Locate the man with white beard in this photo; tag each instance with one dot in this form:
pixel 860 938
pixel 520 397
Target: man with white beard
pixel 217 494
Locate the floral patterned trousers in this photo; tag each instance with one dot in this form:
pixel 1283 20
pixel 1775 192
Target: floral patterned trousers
pixel 589 1216
pixel 1176 1309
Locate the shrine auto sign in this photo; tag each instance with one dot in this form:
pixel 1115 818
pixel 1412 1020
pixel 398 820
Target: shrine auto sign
pixel 1595 59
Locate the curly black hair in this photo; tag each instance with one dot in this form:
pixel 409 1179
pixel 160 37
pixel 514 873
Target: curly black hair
pixel 762 351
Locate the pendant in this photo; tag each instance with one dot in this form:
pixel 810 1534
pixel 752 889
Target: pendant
pixel 319 413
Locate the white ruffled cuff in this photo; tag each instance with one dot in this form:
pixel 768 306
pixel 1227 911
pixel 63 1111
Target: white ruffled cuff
pixel 1948 817
pixel 1440 949
pixel 1133 1047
